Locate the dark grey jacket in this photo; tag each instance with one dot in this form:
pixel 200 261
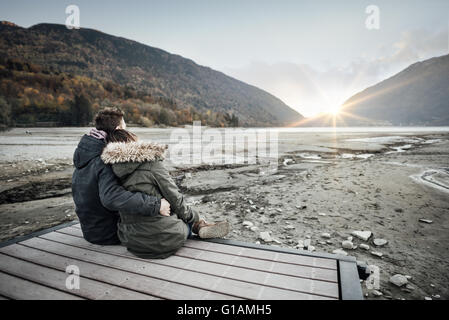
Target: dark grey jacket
pixel 98 196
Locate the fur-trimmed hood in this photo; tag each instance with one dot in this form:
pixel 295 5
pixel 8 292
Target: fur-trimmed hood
pixel 121 152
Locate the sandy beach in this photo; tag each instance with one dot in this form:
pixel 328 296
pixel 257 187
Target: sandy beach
pixel 326 185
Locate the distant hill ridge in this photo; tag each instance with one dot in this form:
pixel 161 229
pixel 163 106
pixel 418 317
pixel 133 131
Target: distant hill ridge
pixel 101 56
pixel 418 95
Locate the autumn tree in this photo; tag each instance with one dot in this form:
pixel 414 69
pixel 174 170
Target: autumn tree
pixel 5 112
pixel 81 110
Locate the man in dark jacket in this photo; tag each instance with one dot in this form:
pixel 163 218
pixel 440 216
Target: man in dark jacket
pixel 97 194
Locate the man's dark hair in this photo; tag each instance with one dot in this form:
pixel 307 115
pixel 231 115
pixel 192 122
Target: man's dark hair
pixel 108 119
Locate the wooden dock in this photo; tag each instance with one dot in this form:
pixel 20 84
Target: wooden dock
pixel 35 267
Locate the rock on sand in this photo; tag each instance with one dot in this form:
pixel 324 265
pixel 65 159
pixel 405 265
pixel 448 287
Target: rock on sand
pixel 347 244
pixel 340 252
pixel 364 235
pixel 265 236
pixel 398 280
pixel 380 242
pixel 326 235
pixel 364 246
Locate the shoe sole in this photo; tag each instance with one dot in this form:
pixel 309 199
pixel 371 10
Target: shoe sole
pixel 218 230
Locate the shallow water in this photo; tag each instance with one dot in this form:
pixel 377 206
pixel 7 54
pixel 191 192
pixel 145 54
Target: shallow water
pixel 59 143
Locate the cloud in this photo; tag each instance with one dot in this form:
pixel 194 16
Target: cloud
pixel 311 91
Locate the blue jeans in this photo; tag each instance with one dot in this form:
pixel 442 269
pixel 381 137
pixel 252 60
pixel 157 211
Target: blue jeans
pixel 190 226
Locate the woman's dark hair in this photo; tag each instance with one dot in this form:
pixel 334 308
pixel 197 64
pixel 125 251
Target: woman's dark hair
pixel 121 135
pixel 108 119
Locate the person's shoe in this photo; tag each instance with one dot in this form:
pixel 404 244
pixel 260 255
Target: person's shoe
pixel 211 230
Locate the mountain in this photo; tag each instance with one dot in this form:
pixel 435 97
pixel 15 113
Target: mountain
pixel 418 95
pixel 103 57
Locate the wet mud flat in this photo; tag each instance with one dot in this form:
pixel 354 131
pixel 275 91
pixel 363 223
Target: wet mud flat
pixel 318 194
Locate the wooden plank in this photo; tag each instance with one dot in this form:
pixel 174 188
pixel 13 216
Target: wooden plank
pixel 261 265
pixel 241 272
pixel 254 263
pixel 277 271
pixel 89 289
pixel 132 281
pixel 36 234
pixel 349 281
pixel 235 288
pixel 72 231
pixel 263 254
pixel 244 252
pixel 19 289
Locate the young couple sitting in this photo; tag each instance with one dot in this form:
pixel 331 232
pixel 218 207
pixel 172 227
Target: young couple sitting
pixel 124 194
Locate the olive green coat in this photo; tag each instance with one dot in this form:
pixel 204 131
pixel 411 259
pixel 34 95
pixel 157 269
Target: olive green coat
pixel 139 166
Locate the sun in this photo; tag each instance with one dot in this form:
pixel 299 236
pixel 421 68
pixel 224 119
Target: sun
pixel 335 110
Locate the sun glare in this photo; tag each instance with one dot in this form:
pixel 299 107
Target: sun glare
pixel 335 110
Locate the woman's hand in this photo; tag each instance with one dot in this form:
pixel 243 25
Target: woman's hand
pixel 165 208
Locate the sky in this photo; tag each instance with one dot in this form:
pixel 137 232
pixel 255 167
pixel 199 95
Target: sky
pixel 313 55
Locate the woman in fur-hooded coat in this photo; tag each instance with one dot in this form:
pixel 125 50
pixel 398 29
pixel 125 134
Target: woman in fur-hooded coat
pixel 139 166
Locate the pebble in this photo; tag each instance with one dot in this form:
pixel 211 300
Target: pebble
pixel 377 293
pixel 398 280
pixel 340 252
pixel 380 242
pixel 377 253
pixel 364 246
pixel 254 228
pixel 265 236
pixel 425 220
pixel 364 235
pixel 326 235
pixel 248 224
pixel 322 214
pixel 307 242
pixel 427 298
pixel 347 244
